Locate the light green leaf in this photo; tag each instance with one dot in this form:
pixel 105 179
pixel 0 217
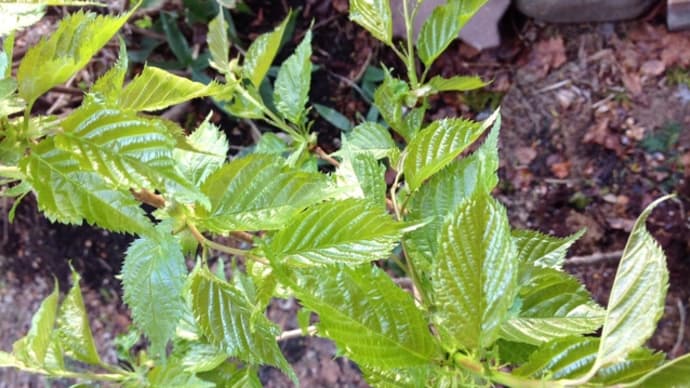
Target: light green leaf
pixel 637 298
pixel 375 16
pixel 54 60
pixel 70 195
pixel 33 348
pixel 438 31
pixel 153 277
pixel 671 374
pixel 10 103
pixel 17 16
pixel 445 191
pixel 455 84
pixel 437 145
pixel 212 149
pixel 270 143
pixel 474 273
pixel 261 53
pixel 412 377
pixel 346 231
pixel 371 137
pixel 389 99
pixel 171 374
pixel 541 250
pixel 218 43
pixel 73 328
pixel 292 84
pixel 202 357
pixel 360 175
pixel 553 305
pixel 156 89
pixel 109 85
pixel 127 150
pixel 258 192
pixel 226 318
pixel 373 321
pixel 572 357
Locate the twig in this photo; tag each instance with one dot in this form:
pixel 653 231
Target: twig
pixel 676 350
pixel 149 198
pixel 555 86
pixel 223 248
pixel 323 155
pixel 594 258
pixel 296 333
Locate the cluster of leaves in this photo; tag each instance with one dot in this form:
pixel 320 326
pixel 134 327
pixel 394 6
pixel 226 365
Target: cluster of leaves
pixel 485 298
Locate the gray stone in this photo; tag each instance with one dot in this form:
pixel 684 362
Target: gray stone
pixel 678 15
pixel 580 11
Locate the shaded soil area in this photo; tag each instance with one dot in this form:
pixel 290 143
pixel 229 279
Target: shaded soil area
pixel 595 126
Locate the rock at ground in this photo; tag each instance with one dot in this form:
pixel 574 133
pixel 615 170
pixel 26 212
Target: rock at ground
pixel 582 11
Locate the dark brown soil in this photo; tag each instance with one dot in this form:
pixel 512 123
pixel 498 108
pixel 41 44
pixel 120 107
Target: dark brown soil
pixel 579 106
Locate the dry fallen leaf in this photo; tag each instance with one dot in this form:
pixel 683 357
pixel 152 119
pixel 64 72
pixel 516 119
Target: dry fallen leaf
pixel 654 67
pixel 525 155
pixel 561 170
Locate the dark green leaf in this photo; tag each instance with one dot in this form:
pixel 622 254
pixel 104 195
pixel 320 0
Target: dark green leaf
pixel 176 39
pixel 389 98
pixel 334 117
pixel 438 31
pixel 671 374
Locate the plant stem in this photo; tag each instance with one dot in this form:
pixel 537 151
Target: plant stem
pixel 290 334
pixel 10 171
pixel 409 59
pixel 223 248
pixel 271 117
pixel 323 155
pixel 503 378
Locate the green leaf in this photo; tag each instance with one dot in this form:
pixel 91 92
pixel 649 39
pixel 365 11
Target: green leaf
pixel 438 145
pixel 261 53
pixel 375 16
pixel 412 377
pixel 218 43
pixel 671 374
pixel 438 31
pixel 153 277
pixel 127 150
pixel 54 60
pixel 17 16
pixel 541 250
pixel 389 98
pixel 270 143
pixel 474 273
pixel 572 357
pixel 258 192
pixel 176 39
pixel 202 357
pixel 445 191
pixel 226 318
pixel 553 305
pixel 638 294
pixel 156 89
pixel 109 85
pixel 334 117
pixel 455 84
pixel 292 84
pixel 70 195
pixel 371 137
pixel 33 348
pixel 172 374
pixel 336 232
pixel 360 175
pixel 73 327
pixel 373 321
pixel 212 149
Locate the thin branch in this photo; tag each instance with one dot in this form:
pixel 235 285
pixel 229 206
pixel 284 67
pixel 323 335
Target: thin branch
pixel 223 248
pixel 149 198
pixel 296 333
pixel 594 258
pixel 323 155
pixel 677 347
